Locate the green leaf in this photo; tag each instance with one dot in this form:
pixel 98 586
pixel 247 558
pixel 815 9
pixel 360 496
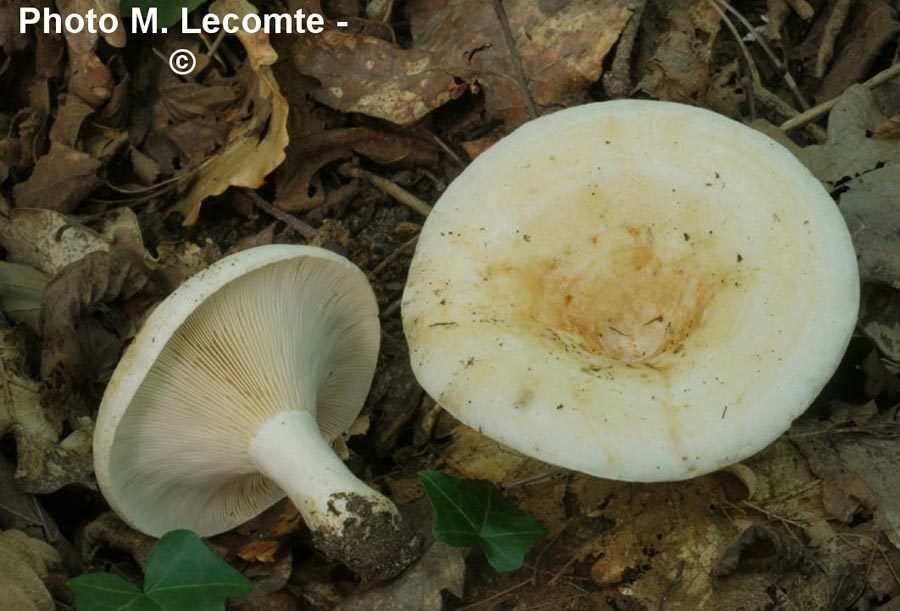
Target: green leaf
pixel 169 11
pixel 472 513
pixel 106 592
pixel 182 575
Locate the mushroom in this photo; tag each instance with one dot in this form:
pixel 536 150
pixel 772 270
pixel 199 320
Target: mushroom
pixel 229 397
pixel 637 290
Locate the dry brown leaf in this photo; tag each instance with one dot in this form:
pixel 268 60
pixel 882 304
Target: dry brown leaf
pixel 71 114
pixel 870 207
pixel 44 464
pixel 889 129
pixel 662 535
pixel 88 77
pixel 49 241
pixel 675 55
pixel 25 566
pixel 871 27
pixel 11 41
pixel 61 179
pixel 98 278
pixel 107 530
pixel 22 511
pixel 255 147
pixel 474 456
pixel 308 154
pixel 849 150
pixel 264 538
pixel 559 49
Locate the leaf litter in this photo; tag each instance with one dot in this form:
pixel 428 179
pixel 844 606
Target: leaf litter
pixel 116 182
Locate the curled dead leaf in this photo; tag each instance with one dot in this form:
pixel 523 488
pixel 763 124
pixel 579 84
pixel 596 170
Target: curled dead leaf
pixel 61 179
pixel 98 278
pixel 25 567
pixel 254 147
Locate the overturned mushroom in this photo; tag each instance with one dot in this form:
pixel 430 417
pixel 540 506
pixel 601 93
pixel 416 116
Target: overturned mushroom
pixel 229 396
pixel 638 290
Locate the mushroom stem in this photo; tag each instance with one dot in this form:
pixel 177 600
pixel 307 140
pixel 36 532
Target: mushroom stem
pixel 350 522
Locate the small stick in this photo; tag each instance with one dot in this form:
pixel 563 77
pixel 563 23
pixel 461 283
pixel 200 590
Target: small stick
pixel 780 65
pixel 754 72
pixel 393 257
pixel 388 187
pixel 825 107
pixel 307 231
pixel 775 103
pixel 496 596
pixel 833 27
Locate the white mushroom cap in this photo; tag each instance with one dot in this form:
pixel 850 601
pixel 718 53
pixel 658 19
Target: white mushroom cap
pixel 229 395
pixel 637 290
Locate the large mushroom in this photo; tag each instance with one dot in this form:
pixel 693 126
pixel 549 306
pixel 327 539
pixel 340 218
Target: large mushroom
pixel 637 290
pixel 229 397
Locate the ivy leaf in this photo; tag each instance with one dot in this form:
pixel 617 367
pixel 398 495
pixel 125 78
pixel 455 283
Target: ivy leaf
pixel 169 11
pixel 472 513
pixel 106 592
pixel 182 575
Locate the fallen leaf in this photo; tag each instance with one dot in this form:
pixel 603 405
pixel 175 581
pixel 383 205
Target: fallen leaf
pixel 22 511
pixel 761 548
pixel 873 461
pixel 879 318
pixel 664 541
pixel 60 180
pixel 20 405
pixel 25 566
pixel 49 241
pixel 871 207
pixel 255 147
pixel 21 288
pixel 871 27
pixel 673 61
pixel 88 77
pixel 849 152
pixel 557 51
pixel 70 116
pixel 98 278
pixel 441 568
pixel 108 531
pixel 474 456
pixel 311 152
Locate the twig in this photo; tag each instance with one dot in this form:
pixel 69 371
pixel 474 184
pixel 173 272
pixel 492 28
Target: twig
pixel 496 596
pixel 537 561
pixel 391 309
pixel 754 72
pixel 833 27
pixel 393 256
pixel 673 585
pixel 825 107
pixel 307 231
pixel 388 187
pixel 779 65
pixel 215 45
pixel 514 55
pixel 785 110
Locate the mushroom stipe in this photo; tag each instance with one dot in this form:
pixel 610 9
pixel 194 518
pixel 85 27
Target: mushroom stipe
pixel 230 395
pixel 678 281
